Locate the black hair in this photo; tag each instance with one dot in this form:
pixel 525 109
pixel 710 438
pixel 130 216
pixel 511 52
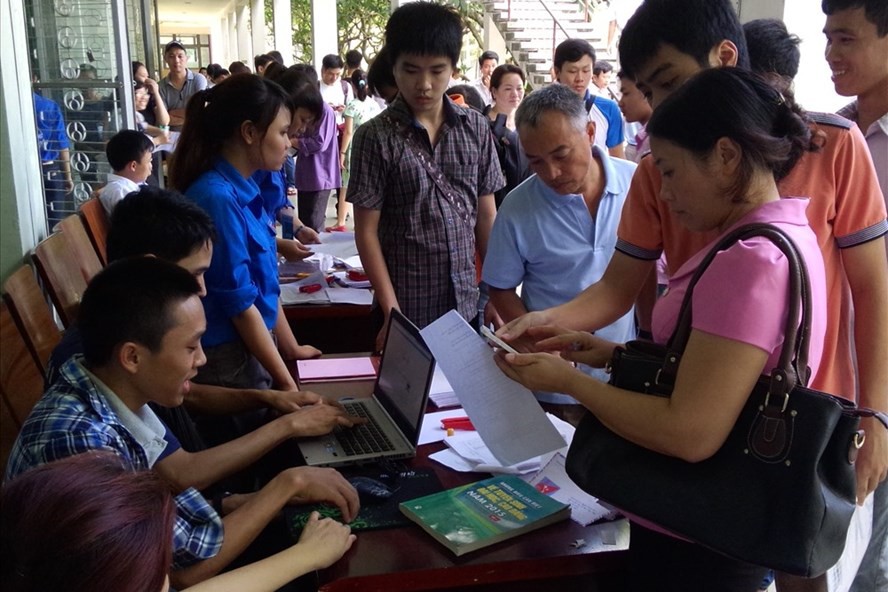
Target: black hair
pixel 331 61
pixel 424 29
pixel 771 130
pixel 497 77
pixel 262 60
pixel 772 49
pixel 213 70
pixel 213 116
pixel 488 55
pixel 239 68
pixel 127 146
pixel 301 83
pixel 273 71
pixel 470 95
pixel 307 71
pixel 359 82
pixel 137 65
pixel 875 11
pixel 693 27
pixel 602 66
pixel 158 222
pixel 380 75
pixel 276 56
pixel 131 300
pixel 353 58
pixel 220 72
pixel 572 50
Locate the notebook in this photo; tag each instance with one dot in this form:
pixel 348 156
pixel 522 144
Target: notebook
pixel 394 412
pixel 330 369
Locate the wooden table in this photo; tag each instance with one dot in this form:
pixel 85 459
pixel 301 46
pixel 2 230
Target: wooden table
pixel 402 559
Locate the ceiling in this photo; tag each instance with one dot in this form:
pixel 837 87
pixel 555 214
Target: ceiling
pixel 195 11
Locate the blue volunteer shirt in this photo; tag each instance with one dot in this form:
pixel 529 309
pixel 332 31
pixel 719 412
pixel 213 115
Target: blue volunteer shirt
pixel 243 271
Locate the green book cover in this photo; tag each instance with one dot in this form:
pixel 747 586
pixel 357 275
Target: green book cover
pixel 473 516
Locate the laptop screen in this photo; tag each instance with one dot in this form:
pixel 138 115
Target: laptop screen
pixel 405 375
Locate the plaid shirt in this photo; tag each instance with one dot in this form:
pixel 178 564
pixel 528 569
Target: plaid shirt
pixel 427 236
pixel 73 417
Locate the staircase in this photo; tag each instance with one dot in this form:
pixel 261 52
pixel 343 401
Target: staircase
pixel 533 28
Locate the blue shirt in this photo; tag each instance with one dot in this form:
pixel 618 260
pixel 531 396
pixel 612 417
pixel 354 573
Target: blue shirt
pixel 74 417
pixel 551 244
pixel 608 120
pixel 273 187
pixel 243 271
pixel 51 137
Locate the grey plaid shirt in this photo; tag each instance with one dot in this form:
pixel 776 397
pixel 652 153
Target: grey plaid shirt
pixel 427 236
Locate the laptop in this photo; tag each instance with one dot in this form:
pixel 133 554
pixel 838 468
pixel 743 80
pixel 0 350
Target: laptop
pixel 394 412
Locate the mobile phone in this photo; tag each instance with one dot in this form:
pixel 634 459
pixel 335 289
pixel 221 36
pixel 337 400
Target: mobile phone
pixel 496 341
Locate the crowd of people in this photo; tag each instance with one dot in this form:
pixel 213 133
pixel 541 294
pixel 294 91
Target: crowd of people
pixel 538 212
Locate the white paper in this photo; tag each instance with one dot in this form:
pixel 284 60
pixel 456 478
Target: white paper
pixel 553 481
pixel 506 415
pixel 349 296
pixel 441 393
pixel 340 245
pixel 431 430
pixel 452 460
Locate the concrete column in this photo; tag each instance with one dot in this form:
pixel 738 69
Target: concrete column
pixel 283 29
pixel 257 27
pixel 232 39
pixel 493 39
pixel 324 31
pixel 244 44
pixel 219 40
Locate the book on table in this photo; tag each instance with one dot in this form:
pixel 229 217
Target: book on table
pixel 337 369
pixel 474 516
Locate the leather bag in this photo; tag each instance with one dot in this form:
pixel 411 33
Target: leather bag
pixel 780 491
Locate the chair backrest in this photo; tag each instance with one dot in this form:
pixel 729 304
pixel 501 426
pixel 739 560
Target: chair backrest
pixel 21 382
pixel 8 431
pixel 61 275
pixel 32 314
pixel 77 239
pixel 96 222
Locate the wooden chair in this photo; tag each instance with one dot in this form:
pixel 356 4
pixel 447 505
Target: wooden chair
pixel 61 275
pixel 32 314
pixel 8 431
pixel 75 234
pixel 96 222
pixel 21 382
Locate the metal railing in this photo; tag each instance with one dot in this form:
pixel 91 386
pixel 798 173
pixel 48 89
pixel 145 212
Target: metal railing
pixel 556 24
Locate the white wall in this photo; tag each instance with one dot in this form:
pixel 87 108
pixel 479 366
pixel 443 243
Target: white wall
pixel 813 87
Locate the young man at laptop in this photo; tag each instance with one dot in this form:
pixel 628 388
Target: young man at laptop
pixel 423 176
pixel 141 320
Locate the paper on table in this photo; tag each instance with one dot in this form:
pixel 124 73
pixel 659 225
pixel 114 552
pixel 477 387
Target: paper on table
pixel 431 430
pixel 340 245
pixel 506 415
pixel 349 296
pixel 290 294
pixel 441 393
pixel 553 481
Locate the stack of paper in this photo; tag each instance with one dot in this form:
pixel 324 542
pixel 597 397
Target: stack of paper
pixel 441 393
pixel 335 369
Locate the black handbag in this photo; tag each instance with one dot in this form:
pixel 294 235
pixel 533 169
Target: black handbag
pixel 780 491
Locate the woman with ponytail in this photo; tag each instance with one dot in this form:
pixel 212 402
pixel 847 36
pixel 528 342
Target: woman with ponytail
pixel 720 142
pixel 233 130
pixel 359 110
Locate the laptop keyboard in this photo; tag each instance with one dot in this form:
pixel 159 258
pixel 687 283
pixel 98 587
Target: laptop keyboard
pixel 362 439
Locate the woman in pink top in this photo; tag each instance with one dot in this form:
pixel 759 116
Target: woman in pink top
pixel 721 142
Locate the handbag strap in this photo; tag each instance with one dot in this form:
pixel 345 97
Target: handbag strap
pixel 792 368
pixel 429 165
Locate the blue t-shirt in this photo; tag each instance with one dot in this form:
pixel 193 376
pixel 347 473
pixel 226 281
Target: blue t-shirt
pixel 51 137
pixel 243 271
pixel 550 244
